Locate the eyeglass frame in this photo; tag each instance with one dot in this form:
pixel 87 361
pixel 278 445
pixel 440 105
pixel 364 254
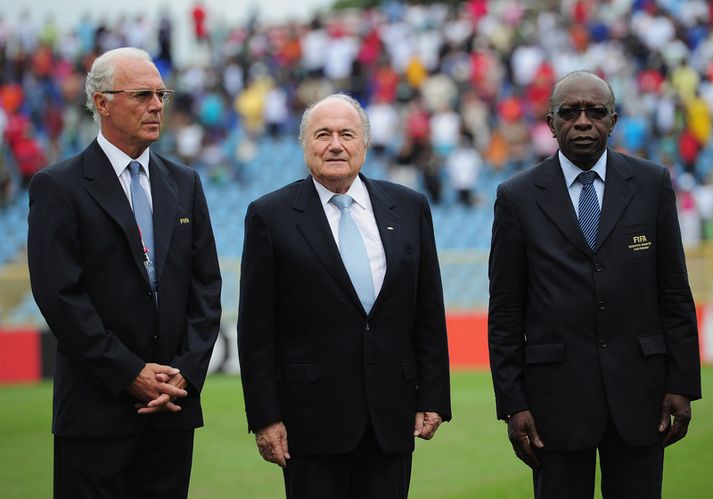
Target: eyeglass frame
pixel 579 110
pixel 165 98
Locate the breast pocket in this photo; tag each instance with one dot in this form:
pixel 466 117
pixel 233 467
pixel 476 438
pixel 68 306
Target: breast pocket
pixel 638 240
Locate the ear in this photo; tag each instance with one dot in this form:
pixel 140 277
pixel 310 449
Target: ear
pixel 614 118
pixel 101 102
pixel 550 123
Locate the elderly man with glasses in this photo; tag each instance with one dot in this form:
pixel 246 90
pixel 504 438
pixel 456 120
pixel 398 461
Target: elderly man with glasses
pixel 592 326
pixel 124 268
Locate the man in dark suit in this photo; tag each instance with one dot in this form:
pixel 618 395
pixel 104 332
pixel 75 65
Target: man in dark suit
pixel 123 266
pixel 341 326
pixel 592 327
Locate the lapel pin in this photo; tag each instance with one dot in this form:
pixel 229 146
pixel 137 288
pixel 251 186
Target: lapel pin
pixel 388 227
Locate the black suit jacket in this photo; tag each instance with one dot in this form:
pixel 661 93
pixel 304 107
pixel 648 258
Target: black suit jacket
pixel 89 281
pixel 576 334
pixel 310 356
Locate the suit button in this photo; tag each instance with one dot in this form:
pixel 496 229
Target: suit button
pixel 155 339
pixel 601 305
pixel 603 343
pixel 149 295
pixel 598 267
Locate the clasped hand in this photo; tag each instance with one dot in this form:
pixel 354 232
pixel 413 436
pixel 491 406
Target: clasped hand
pixel 156 388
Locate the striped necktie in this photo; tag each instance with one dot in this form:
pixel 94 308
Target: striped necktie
pixel 588 208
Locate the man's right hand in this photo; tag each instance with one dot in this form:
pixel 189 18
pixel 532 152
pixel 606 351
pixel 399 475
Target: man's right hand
pixel 149 385
pixel 523 436
pixel 272 443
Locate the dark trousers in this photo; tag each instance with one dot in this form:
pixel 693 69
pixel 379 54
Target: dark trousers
pixel 152 464
pixel 365 473
pixel 628 472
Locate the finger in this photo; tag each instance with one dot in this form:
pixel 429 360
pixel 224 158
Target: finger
pixel 665 419
pixel 535 438
pixel 172 407
pixel 679 428
pixel 525 453
pixel 430 425
pixel 173 391
pixel 160 400
pixel 162 377
pixel 418 424
pixel 285 449
pixel 150 410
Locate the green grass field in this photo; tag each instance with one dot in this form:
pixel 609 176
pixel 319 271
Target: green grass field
pixel 470 458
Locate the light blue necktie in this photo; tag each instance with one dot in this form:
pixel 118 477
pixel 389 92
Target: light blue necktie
pixel 353 251
pixel 588 208
pixel 144 219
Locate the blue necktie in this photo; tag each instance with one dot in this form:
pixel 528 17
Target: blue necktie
pixel 588 208
pixel 144 219
pixel 353 251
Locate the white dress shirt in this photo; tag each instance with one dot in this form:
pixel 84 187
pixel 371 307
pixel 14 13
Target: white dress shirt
pixel 571 171
pixel 120 162
pixel 363 216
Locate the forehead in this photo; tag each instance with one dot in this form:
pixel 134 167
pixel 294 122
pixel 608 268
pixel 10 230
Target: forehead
pixel 583 90
pixel 136 73
pixel 334 113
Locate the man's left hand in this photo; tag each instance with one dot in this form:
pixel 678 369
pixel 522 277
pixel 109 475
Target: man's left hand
pixel 164 402
pixel 678 407
pixel 426 424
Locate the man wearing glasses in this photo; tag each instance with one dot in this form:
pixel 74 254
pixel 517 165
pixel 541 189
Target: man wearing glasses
pixel 592 327
pixel 123 266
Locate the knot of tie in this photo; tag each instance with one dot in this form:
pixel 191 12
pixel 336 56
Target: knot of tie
pixel 586 178
pixel 342 201
pixel 134 168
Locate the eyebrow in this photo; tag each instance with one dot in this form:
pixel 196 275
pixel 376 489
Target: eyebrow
pixel 327 129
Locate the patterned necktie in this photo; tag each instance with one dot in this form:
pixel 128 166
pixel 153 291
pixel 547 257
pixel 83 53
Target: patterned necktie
pixel 353 251
pixel 144 219
pixel 588 208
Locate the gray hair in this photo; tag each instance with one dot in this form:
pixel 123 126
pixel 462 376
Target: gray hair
pixel 364 118
pixel 101 75
pixel 611 103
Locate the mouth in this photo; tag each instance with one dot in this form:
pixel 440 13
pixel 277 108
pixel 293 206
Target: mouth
pixel 583 140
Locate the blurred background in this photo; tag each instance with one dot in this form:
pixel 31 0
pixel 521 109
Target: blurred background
pixel 457 94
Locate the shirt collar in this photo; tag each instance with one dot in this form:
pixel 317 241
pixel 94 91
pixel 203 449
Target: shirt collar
pixel 571 170
pixel 357 191
pixel 119 159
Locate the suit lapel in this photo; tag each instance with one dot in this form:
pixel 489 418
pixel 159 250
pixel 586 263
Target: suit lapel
pixel 617 194
pixel 314 227
pixel 165 206
pixel 103 185
pixel 388 223
pixel 555 201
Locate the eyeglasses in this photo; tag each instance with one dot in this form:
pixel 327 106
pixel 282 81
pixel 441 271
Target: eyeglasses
pixel 572 113
pixel 143 96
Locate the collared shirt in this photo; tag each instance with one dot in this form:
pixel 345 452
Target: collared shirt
pixel 363 216
pixel 120 162
pixel 571 171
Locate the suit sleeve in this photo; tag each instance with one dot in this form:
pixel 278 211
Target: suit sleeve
pixel 204 309
pixel 677 313
pixel 257 328
pixel 507 271
pixel 430 340
pixel 55 264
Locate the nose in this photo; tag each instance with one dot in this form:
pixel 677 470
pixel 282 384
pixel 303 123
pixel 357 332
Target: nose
pixel 155 102
pixel 583 119
pixel 335 143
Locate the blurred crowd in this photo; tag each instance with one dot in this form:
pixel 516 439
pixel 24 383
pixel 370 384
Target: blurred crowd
pixel 452 89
